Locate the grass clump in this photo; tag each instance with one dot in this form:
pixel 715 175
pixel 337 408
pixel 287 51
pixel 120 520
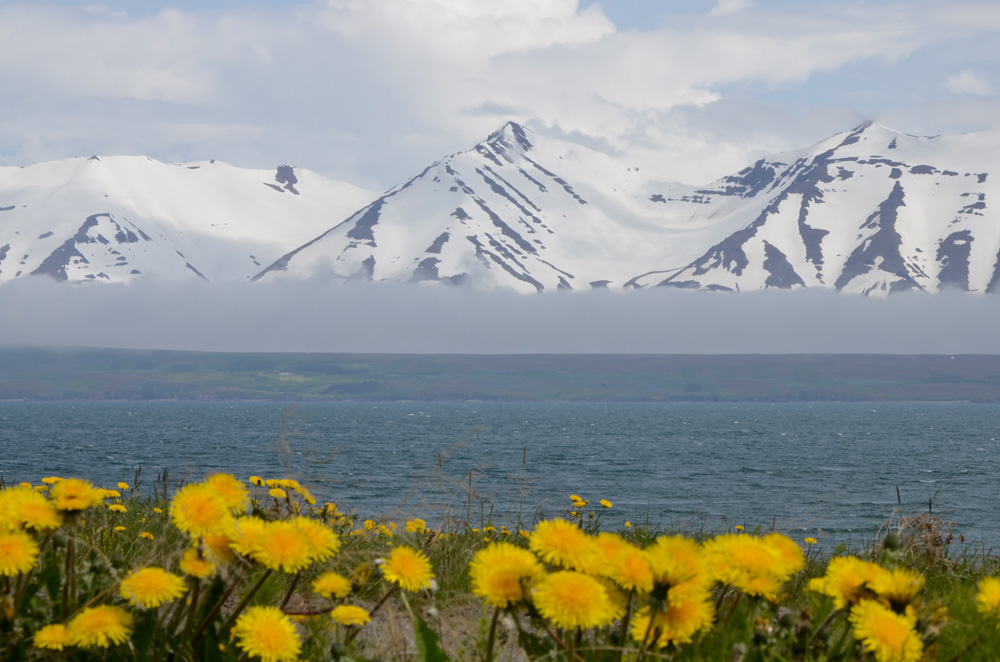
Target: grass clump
pixel 230 570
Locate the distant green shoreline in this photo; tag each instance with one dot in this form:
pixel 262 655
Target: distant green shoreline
pixel 31 373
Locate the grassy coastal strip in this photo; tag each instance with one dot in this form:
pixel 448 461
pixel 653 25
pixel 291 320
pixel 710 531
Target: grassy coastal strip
pixel 236 569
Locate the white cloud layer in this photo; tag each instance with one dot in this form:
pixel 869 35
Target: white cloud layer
pixel 971 83
pixel 371 92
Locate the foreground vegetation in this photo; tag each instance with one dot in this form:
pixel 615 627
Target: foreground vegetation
pixel 226 569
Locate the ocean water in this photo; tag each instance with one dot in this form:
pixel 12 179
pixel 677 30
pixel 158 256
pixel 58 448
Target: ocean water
pixel 830 471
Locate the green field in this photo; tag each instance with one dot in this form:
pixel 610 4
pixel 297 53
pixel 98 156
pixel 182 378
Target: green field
pixel 113 374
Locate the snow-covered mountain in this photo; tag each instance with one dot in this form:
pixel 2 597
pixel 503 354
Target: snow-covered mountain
pixel 524 211
pixel 870 211
pixel 122 217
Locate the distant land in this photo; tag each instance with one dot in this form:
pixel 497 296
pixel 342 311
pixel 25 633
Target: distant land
pixel 116 374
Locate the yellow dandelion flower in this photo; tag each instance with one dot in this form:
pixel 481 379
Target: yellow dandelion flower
pixel 123 485
pixel 151 587
pixel 628 524
pixel 146 535
pixel 101 626
pixel 120 528
pixel 632 571
pixel 197 509
pixel 563 543
pixel 331 585
pixel 677 623
pixel 889 636
pixel 256 480
pixel 810 540
pixel 846 580
pixel 158 511
pixel 897 588
pixel 18 552
pixel 26 508
pixel 193 563
pixel 218 546
pixel 756 566
pixel 571 599
pixel 324 542
pixel 409 568
pixel 740 527
pixel 267 633
pixel 501 573
pixel 232 492
pixel 110 494
pixel 51 480
pixel 73 495
pixel 988 596
pixel 605 503
pixel 283 546
pixel 52 637
pixel 416 525
pixel 117 507
pixel 350 615
pixel 41 488
pixel 676 561
pixel 277 493
pixel 368 524
pixel 243 533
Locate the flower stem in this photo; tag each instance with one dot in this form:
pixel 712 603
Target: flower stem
pixel 493 633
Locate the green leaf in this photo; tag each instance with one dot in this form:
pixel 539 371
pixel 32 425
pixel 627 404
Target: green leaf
pixel 428 646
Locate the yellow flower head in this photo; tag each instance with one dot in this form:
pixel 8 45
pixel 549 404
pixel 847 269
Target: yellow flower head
pixel 810 541
pixel 323 541
pixel 256 480
pixel 277 493
pixel 195 564
pixel 676 561
pixel 232 492
pixel 117 507
pixel 350 615
pixel 52 637
pixel 110 494
pixel 572 599
pixel 416 525
pixel 409 568
pixel 890 636
pixel 897 588
pixel 198 509
pixel 282 545
pixel 605 503
pixel 847 580
pixel 74 495
pixel 18 552
pixel 151 587
pixel 51 480
pixel 28 509
pixel 563 543
pixel 630 568
pixel 332 585
pixel 120 528
pixel 123 486
pixel 502 572
pixel 756 566
pixel 267 633
pixel 988 597
pixel 146 535
pixel 678 623
pixel 101 626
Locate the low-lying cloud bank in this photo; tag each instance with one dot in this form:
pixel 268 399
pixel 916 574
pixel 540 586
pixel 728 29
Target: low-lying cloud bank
pixel 400 318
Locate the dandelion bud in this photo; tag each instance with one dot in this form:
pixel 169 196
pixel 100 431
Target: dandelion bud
pixel 891 542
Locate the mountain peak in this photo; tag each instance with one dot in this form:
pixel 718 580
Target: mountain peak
pixel 512 135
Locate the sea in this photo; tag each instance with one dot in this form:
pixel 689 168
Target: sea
pixel 840 473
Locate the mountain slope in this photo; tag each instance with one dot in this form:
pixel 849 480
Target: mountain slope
pixel 116 218
pixel 518 210
pixel 870 211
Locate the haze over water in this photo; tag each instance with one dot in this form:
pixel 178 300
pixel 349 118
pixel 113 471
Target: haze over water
pixel 824 470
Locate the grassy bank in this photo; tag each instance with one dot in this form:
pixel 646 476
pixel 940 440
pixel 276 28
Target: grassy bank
pixel 229 569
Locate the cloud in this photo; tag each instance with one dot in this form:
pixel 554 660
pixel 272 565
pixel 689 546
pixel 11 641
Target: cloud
pixel 727 7
pixel 970 83
pixel 373 91
pixel 414 318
